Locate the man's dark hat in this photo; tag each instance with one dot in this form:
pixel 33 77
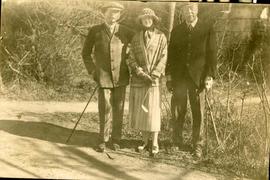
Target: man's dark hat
pixel 112 5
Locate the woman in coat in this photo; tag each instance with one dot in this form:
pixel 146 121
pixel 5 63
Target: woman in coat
pixel 147 60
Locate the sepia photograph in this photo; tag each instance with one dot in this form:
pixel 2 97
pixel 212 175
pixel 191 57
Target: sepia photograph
pixel 134 90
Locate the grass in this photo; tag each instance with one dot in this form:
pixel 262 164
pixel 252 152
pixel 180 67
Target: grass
pixel 243 144
pixel 32 91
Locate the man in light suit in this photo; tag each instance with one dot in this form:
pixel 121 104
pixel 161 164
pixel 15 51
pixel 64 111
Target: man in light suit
pixel 191 66
pixel 104 55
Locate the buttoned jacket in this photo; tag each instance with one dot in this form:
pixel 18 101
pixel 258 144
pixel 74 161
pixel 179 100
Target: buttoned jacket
pixel 192 53
pixel 104 55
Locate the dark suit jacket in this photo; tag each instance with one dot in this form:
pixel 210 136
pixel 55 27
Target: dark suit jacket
pixel 109 54
pixel 192 52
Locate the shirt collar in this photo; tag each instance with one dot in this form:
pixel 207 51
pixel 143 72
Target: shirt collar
pixel 193 24
pixel 111 26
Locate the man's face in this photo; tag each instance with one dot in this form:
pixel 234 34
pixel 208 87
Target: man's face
pixel 111 15
pixel 190 12
pixel 147 21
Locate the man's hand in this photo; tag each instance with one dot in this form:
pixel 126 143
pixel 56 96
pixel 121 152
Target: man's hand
pixel 208 82
pixel 169 85
pixel 94 75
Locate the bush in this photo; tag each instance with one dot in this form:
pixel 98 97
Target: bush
pixel 42 44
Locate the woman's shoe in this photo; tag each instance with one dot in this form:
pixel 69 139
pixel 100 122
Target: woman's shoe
pixel 142 148
pixel 101 147
pixel 155 150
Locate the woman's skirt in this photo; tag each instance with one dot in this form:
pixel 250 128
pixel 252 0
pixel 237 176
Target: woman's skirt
pixel 144 108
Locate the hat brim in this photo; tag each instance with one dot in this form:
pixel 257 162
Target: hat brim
pixel 155 18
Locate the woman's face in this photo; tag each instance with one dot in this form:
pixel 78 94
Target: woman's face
pixel 147 21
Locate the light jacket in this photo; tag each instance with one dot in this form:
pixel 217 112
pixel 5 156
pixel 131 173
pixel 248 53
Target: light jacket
pixel 151 57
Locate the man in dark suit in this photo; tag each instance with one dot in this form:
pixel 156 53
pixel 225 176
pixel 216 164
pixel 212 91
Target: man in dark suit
pixel 190 69
pixel 104 54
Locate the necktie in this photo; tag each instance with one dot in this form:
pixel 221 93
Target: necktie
pixel 147 36
pixel 190 27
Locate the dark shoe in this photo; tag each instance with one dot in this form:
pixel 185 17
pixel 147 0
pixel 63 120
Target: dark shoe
pixel 101 147
pixel 114 144
pixel 116 147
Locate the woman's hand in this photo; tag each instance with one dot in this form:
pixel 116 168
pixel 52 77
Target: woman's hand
pixel 140 73
pixel 146 78
pixel 154 78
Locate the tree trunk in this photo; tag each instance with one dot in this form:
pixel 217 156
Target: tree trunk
pixel 171 17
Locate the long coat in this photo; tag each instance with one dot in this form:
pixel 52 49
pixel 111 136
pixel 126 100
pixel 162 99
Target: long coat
pixel 109 54
pixel 151 56
pixel 193 52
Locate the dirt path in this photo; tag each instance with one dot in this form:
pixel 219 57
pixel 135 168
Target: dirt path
pixel 33 148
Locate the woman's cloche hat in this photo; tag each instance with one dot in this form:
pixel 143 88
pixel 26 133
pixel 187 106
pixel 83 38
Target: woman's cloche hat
pixel 147 12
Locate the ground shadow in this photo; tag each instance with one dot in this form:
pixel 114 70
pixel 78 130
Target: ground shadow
pixel 57 134
pixel 57 126
pixel 101 166
pixel 48 132
pixel 19 168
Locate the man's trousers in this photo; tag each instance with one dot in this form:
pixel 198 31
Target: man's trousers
pixel 111 106
pixel 183 90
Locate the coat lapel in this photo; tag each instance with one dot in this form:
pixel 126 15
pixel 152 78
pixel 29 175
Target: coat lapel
pixel 116 29
pixel 153 47
pixel 143 50
pixel 197 25
pixel 153 38
pixel 148 55
pixel 108 32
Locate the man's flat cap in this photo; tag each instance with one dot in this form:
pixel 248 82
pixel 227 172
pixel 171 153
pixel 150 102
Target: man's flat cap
pixel 112 5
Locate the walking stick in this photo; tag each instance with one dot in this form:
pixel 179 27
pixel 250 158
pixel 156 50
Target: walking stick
pixel 82 114
pixel 207 116
pixel 212 118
